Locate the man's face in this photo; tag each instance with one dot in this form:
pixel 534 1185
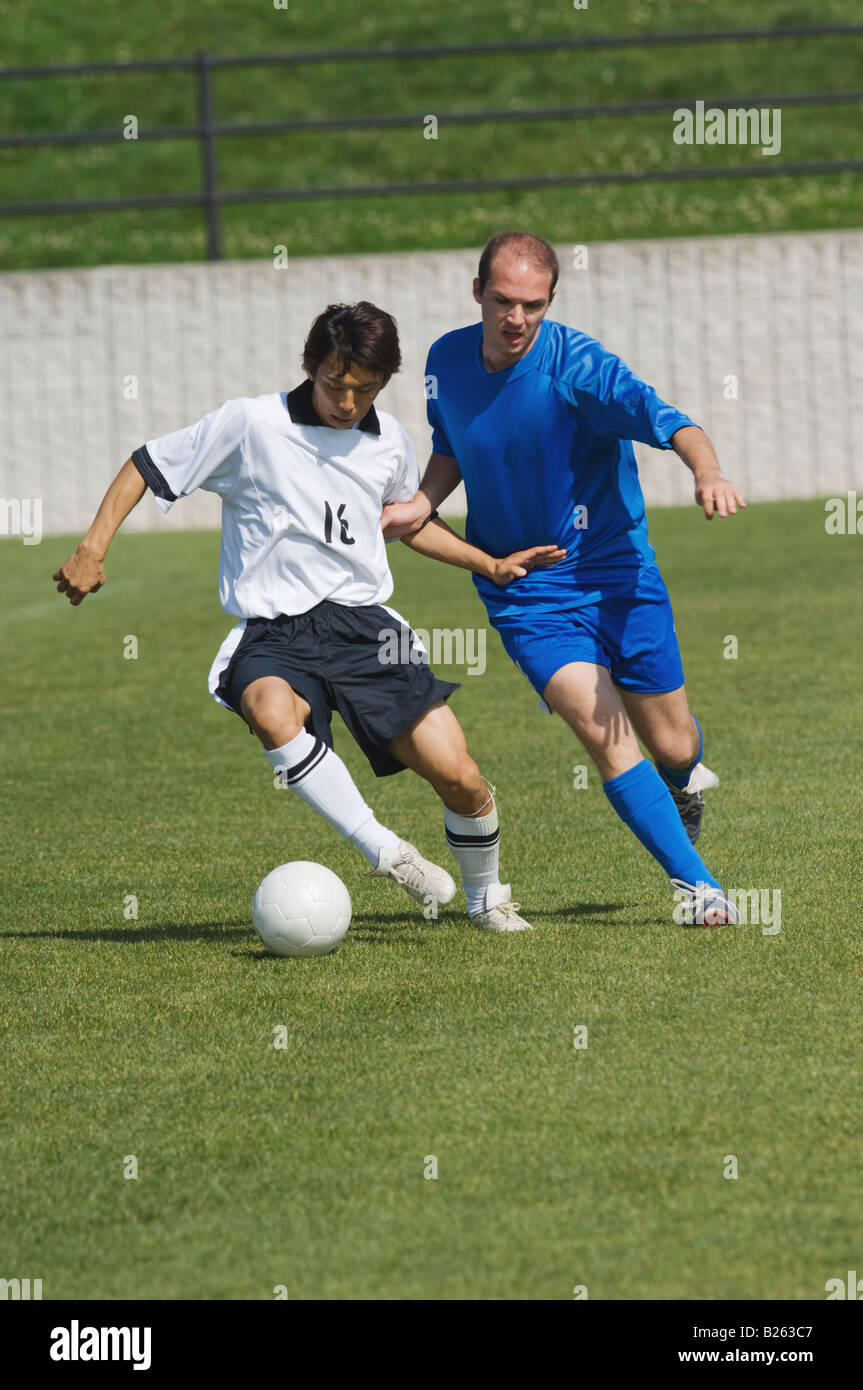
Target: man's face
pixel 514 303
pixel 341 398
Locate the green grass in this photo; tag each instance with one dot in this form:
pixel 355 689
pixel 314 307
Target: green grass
pixel 304 1166
pixel 91 32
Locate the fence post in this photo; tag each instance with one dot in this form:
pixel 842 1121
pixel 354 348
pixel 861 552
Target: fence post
pixel 208 157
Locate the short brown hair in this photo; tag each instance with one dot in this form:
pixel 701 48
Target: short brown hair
pixel 360 333
pixel 533 248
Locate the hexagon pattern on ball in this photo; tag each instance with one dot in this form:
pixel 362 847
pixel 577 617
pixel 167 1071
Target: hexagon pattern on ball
pixel 301 909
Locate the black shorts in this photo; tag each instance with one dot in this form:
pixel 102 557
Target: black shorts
pixel 335 657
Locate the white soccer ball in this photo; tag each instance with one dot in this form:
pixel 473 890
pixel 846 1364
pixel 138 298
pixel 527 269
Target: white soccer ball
pixel 301 909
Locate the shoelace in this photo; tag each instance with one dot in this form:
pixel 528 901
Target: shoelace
pixel 508 909
pixel 691 888
pixel 683 797
pixel 721 906
pixel 397 867
pixel 408 872
pixel 681 883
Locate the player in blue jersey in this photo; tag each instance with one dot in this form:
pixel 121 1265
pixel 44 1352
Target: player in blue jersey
pixel 538 420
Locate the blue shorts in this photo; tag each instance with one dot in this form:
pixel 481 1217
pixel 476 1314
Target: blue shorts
pixel 631 634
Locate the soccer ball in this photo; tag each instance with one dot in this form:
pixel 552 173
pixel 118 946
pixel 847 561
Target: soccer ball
pixel 301 909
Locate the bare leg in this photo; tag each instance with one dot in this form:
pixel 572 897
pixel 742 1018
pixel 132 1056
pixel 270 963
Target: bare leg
pixel 665 725
pixel 278 715
pixel 273 711
pixel 436 748
pixel 584 695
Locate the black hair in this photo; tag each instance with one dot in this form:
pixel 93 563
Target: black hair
pixel 360 333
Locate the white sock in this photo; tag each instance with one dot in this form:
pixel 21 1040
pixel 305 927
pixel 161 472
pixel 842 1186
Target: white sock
pixel 320 778
pixel 372 837
pixel 475 842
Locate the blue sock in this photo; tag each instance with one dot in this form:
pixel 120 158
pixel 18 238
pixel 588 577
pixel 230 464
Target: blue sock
pixel 679 776
pixel 642 800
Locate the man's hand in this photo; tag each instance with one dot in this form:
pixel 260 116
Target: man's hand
pixel 712 492
pixel 717 495
pixel 517 565
pixel 82 574
pixel 403 518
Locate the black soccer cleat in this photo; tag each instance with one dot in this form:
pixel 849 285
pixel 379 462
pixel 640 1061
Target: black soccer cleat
pixel 688 800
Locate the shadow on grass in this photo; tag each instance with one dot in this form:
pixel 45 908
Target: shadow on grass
pixel 366 926
pixel 377 928
pixel 380 927
pixel 605 914
pixel 583 910
pixel 131 936
pixel 383 928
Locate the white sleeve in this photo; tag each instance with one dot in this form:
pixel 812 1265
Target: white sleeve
pixel 205 455
pixel 406 475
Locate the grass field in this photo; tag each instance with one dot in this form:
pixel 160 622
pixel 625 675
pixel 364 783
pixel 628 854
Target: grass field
pixel 92 31
pixel 303 1167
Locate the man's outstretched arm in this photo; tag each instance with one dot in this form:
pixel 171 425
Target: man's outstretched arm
pixel 441 542
pixel 84 572
pixel 400 519
pixel 713 492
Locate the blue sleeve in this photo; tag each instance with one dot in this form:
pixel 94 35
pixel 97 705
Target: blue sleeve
pixel 616 403
pixel 440 442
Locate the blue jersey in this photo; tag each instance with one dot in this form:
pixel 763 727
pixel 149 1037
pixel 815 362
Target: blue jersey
pixel 544 448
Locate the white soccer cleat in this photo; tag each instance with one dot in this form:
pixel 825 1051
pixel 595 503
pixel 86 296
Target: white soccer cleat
pixel 427 883
pixel 704 906
pixel 501 913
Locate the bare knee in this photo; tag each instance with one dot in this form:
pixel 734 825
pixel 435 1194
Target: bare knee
pixel 461 786
pixel 675 746
pixel 584 696
pixel 273 711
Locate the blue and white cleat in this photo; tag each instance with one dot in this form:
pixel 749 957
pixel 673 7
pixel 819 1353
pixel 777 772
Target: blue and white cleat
pixel 688 799
pixel 702 905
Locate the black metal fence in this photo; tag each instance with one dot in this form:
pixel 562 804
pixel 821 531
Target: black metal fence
pixel 211 198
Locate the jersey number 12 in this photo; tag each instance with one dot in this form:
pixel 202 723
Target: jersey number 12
pixel 344 536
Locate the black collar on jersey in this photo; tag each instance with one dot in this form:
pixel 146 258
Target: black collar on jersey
pixel 302 412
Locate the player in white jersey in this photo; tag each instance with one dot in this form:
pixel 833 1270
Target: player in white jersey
pixel 303 477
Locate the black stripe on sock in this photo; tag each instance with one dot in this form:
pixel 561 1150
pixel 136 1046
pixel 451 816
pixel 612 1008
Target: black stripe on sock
pixel 471 841
pixel 308 764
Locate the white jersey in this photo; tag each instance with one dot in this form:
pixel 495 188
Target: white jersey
pixel 301 501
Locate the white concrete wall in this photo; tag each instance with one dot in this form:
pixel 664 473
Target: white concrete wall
pixel 783 314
